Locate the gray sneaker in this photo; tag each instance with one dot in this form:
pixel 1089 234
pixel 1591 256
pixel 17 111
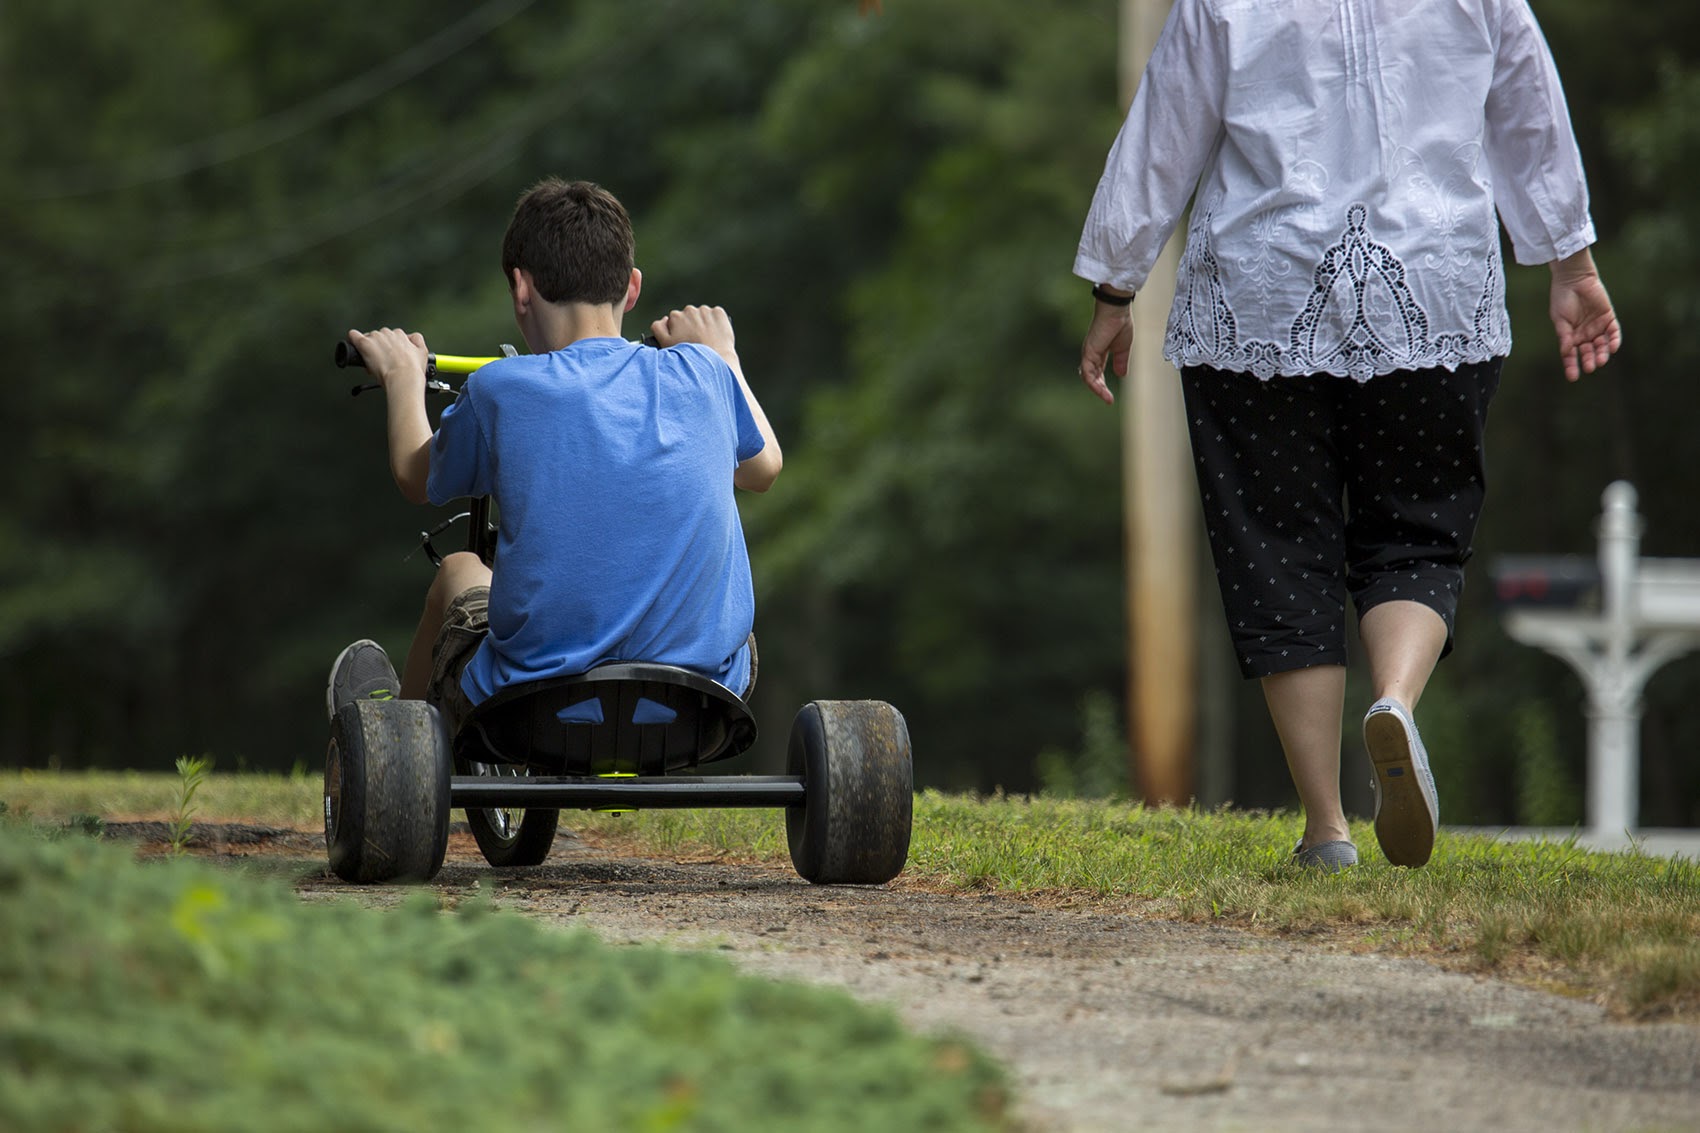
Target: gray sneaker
pixel 1407 807
pixel 361 672
pixel 1330 857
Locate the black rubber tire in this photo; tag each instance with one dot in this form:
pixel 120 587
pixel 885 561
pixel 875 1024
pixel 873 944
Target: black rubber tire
pixel 387 792
pixel 853 825
pixel 510 837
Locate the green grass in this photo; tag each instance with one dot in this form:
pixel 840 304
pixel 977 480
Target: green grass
pixel 1623 928
pixel 278 800
pixel 170 995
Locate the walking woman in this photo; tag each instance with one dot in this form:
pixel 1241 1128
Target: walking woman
pixel 1339 322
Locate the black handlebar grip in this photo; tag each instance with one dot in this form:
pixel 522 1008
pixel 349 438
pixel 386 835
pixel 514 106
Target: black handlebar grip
pixel 347 356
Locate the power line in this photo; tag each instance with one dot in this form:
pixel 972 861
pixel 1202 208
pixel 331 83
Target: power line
pixel 179 161
pixel 449 183
pixel 446 182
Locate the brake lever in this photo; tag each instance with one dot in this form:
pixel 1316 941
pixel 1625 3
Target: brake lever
pixel 425 538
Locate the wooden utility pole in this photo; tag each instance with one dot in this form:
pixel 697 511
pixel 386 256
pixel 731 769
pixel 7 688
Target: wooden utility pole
pixel 1160 515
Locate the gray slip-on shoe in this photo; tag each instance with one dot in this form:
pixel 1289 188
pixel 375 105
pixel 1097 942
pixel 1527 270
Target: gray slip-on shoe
pixel 1331 857
pixel 1407 807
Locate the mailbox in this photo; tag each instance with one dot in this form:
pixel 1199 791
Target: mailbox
pixel 1565 582
pixel 1615 620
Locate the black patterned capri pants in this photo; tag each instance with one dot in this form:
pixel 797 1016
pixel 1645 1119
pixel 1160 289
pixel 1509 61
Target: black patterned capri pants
pixel 1315 488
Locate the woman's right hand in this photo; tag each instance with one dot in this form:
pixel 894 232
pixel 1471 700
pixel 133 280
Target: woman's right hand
pixel 1582 314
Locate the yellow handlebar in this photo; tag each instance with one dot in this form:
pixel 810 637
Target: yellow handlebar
pixel 458 363
pixel 435 364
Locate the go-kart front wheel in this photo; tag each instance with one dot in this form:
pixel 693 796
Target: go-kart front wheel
pixel 387 792
pixel 853 825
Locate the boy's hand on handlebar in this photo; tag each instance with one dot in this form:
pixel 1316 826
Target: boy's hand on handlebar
pixel 709 326
pixel 395 359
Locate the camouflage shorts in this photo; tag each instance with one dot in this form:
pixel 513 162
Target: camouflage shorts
pixel 465 623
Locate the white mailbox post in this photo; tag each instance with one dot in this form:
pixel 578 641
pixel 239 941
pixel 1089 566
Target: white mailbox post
pixel 1648 613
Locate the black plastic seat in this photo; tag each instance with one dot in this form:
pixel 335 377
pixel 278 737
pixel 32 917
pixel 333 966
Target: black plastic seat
pixel 624 719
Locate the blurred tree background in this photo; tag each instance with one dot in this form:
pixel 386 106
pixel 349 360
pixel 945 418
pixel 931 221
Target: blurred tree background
pixel 196 204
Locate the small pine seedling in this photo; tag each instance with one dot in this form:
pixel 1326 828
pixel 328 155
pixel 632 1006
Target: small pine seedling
pixel 191 773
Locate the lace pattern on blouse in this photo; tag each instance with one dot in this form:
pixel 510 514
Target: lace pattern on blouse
pixel 1359 319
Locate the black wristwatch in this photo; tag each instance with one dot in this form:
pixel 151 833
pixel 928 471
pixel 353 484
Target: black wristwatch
pixel 1103 296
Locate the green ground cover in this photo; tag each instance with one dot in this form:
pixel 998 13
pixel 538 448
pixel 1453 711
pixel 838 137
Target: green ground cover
pixel 168 995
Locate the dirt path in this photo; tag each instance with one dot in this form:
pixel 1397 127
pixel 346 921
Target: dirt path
pixel 1114 1022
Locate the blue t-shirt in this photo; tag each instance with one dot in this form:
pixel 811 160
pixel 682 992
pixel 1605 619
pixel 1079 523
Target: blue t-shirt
pixel 619 539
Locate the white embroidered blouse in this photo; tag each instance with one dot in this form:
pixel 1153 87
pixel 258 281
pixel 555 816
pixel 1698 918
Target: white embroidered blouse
pixel 1344 159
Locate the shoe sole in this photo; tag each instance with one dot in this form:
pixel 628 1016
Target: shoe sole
pixel 1405 823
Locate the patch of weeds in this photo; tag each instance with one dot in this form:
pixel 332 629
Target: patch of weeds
pixel 1099 770
pixel 1493 941
pixel 1657 977
pixel 88 825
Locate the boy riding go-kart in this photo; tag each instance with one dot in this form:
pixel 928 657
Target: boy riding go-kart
pixel 604 643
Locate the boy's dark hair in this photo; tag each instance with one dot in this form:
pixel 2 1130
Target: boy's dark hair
pixel 574 238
